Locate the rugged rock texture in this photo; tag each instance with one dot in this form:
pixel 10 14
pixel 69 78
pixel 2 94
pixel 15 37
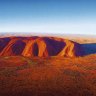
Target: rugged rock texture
pixel 39 46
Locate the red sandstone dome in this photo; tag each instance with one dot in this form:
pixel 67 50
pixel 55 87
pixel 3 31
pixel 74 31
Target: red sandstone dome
pixel 39 46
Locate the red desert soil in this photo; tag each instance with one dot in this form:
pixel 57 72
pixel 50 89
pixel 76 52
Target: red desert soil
pixel 50 76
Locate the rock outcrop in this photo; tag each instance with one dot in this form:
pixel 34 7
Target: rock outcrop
pixel 39 46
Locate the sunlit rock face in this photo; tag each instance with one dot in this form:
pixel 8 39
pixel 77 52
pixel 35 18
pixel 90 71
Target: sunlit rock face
pixel 39 46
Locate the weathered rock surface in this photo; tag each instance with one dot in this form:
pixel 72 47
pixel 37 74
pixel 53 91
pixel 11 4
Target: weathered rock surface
pixel 39 46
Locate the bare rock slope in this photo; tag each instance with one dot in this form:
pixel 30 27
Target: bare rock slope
pixel 39 46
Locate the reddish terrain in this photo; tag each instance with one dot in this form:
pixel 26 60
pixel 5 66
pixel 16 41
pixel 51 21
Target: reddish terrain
pixel 52 76
pixel 41 66
pixel 39 46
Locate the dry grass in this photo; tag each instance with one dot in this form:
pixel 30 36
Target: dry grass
pixel 53 76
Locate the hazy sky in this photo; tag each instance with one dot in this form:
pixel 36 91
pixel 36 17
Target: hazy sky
pixel 48 16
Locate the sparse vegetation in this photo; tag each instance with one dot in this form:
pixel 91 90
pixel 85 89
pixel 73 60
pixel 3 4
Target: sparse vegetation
pixel 52 76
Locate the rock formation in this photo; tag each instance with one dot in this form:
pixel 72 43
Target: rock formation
pixel 39 46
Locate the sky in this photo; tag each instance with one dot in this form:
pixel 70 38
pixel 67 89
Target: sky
pixel 48 16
